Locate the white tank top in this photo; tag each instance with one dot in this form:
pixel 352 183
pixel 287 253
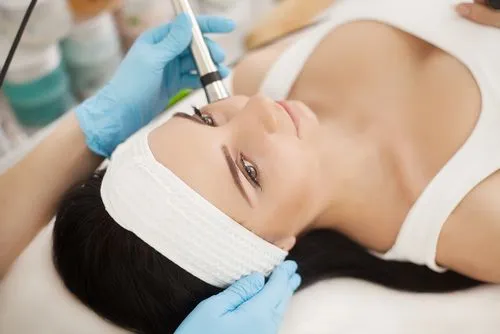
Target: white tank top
pixel 478 48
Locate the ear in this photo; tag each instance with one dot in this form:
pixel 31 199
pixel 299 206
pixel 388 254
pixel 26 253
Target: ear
pixel 286 244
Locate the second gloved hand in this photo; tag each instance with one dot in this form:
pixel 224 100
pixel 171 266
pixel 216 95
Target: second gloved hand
pixel 246 307
pixel 157 66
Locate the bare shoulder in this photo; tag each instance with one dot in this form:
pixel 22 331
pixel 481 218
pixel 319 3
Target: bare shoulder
pixel 470 240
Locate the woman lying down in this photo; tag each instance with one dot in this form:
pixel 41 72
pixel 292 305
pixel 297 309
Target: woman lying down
pixel 371 152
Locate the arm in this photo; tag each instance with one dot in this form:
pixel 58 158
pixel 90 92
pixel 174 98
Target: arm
pixel 31 190
pixel 469 242
pixel 139 90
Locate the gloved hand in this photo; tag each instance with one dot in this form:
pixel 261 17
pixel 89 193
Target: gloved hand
pixel 246 307
pixel 157 66
pixel 482 12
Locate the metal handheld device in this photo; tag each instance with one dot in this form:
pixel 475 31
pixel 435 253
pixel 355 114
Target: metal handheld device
pixel 210 77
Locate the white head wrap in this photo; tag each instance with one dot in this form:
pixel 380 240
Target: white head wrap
pixel 149 200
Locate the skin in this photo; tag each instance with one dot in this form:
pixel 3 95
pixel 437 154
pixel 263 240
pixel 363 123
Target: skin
pixel 373 132
pixel 263 132
pixel 480 13
pixel 32 189
pixel 469 248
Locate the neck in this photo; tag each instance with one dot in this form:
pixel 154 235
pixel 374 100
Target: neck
pixel 356 180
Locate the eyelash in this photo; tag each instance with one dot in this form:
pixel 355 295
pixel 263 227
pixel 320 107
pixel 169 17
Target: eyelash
pixel 207 119
pixel 246 166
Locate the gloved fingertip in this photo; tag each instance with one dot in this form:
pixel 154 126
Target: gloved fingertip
pixel 242 290
pixel 224 70
pixel 219 57
pixel 177 39
pixel 183 19
pixel 290 267
pixel 238 293
pixel 218 54
pixel 295 282
pixel 216 24
pixel 227 25
pixel 257 280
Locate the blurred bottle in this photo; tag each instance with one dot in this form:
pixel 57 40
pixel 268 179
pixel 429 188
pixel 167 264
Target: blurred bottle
pixel 49 21
pixel 92 52
pixel 36 86
pixel 137 16
pixel 85 9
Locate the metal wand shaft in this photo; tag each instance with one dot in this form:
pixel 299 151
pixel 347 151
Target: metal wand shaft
pixel 210 77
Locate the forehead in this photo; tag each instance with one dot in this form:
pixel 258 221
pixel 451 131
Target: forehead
pixel 194 153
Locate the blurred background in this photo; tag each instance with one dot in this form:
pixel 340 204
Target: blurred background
pixel 70 48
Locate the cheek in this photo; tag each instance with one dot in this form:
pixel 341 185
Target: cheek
pixel 293 190
pixel 295 167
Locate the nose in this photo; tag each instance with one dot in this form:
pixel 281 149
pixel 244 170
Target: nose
pixel 265 110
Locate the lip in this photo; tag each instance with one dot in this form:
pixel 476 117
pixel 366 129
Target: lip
pixel 293 115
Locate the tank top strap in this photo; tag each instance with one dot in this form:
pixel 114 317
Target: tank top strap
pixel 478 159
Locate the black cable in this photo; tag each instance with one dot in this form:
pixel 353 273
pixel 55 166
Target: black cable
pixel 14 45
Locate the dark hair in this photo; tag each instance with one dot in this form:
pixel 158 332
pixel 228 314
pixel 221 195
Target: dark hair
pixel 127 282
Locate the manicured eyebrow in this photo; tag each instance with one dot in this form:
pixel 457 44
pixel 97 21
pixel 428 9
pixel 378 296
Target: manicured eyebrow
pixel 189 117
pixel 227 155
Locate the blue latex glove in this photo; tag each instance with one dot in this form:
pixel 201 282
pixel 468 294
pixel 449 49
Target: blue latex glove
pixel 157 66
pixel 246 307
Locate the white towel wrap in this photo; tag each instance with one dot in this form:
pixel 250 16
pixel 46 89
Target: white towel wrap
pixel 147 199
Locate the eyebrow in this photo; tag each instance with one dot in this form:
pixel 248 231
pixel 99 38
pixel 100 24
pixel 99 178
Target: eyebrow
pixel 189 117
pixel 225 151
pixel 234 173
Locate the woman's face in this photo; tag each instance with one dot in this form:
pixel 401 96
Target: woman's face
pixel 253 158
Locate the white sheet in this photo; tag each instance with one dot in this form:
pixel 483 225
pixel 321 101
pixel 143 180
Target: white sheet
pixel 348 306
